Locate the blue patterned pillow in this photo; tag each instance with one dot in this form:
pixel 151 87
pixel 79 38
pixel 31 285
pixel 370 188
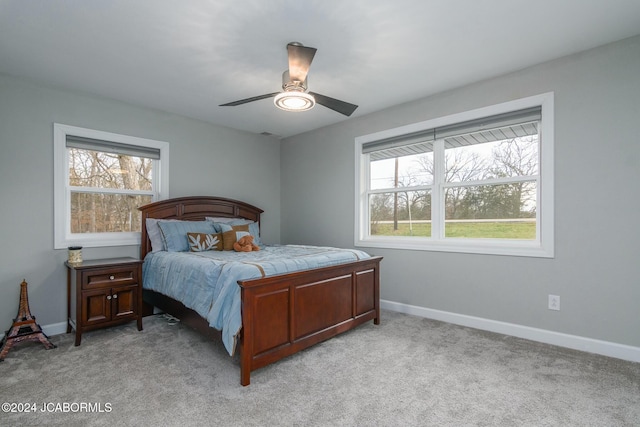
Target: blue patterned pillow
pixel 155 234
pixel 175 233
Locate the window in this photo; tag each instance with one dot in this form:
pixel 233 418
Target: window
pixel 479 182
pixel 100 180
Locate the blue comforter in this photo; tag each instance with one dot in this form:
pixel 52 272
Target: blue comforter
pixel 206 282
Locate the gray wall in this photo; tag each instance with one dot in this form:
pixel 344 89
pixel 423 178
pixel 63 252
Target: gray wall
pixel 596 270
pixel 203 160
pixel 306 187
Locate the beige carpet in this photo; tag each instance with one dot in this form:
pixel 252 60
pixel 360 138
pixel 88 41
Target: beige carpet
pixel 408 371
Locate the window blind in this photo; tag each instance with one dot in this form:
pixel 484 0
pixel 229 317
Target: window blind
pixel 84 143
pixel 399 141
pixel 492 122
pixel 492 128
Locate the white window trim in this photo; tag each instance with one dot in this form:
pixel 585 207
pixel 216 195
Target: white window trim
pixel 543 246
pixel 63 237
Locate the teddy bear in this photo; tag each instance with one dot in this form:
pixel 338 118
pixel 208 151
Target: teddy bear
pixel 245 244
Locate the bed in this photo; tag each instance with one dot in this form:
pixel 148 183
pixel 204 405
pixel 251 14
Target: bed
pixel 279 313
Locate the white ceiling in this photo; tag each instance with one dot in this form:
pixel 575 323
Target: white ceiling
pixel 189 56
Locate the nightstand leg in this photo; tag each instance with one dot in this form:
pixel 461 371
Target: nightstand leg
pixel 140 323
pixel 78 337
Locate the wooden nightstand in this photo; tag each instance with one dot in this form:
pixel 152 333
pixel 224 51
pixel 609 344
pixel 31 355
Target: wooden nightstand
pixel 103 293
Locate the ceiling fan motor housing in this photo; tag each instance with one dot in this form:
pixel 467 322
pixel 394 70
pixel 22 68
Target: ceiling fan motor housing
pixel 289 85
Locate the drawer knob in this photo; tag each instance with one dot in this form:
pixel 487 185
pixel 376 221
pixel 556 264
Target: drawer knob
pixel 115 296
pixel 108 296
pixel 112 277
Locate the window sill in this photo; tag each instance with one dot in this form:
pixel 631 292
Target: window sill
pixel 95 240
pixel 485 247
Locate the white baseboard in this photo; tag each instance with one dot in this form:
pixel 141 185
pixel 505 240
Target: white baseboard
pixel 55 329
pixel 605 348
pixel 590 345
pixel 49 330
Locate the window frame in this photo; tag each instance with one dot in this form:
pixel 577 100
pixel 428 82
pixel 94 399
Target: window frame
pixel 542 246
pixel 63 237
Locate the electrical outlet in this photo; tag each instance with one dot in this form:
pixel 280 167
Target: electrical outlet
pixel 554 302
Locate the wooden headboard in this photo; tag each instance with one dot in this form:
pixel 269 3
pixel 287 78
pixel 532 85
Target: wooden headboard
pixel 194 209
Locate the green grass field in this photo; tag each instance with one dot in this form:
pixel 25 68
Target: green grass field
pixel 473 230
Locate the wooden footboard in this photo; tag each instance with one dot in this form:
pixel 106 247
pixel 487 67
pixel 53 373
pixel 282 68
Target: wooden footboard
pixel 284 314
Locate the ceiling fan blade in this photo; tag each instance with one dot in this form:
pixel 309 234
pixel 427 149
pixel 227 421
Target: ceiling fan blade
pixel 244 101
pixel 300 58
pixel 335 104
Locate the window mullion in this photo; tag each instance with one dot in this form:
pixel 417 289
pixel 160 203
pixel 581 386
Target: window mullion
pixel 157 189
pixel 492 181
pixel 437 194
pixel 364 214
pixel 97 190
pixel 401 189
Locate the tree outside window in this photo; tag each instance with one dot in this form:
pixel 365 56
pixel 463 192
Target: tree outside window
pixel 105 190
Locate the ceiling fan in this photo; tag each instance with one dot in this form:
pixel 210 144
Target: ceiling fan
pixel 294 95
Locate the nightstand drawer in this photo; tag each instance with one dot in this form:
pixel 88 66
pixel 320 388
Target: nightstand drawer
pixel 107 277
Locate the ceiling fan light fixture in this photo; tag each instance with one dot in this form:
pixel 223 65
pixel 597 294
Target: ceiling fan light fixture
pixel 294 101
